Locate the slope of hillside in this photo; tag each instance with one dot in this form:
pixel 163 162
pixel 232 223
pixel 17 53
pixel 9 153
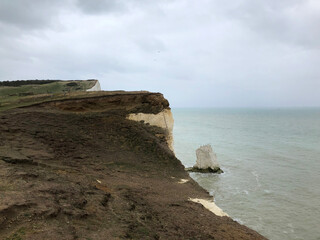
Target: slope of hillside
pixel 77 168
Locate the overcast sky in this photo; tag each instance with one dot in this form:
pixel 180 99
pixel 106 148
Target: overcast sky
pixel 204 53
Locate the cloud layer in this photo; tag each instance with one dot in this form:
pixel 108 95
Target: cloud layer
pixel 198 53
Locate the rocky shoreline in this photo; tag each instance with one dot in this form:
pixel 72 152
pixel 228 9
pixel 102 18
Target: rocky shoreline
pixel 81 169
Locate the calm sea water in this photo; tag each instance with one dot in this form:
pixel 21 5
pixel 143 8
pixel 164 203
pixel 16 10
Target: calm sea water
pixel 271 159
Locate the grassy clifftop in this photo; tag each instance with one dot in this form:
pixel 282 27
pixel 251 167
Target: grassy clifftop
pixel 23 93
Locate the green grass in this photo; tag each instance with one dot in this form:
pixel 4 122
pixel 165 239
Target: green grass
pixel 18 235
pixel 5 188
pixel 11 97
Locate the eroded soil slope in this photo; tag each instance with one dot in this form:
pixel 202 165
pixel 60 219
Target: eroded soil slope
pixel 80 170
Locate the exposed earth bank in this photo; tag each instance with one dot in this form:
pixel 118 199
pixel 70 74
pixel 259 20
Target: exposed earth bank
pixel 79 169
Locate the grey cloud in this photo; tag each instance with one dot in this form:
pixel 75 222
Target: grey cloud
pixel 151 44
pixel 291 22
pixel 117 6
pixel 101 6
pixel 30 14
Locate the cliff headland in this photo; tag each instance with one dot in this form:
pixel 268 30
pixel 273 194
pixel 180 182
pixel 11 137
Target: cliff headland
pixel 99 165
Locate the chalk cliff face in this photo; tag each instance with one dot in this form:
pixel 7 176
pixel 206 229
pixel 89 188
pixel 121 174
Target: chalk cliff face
pixel 96 87
pixel 163 119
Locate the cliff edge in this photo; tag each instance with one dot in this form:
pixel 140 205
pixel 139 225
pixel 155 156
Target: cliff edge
pixel 81 168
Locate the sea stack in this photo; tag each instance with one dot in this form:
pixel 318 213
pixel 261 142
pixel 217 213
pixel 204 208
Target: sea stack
pixel 206 161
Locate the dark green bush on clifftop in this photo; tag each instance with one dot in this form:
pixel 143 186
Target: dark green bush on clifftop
pixel 19 83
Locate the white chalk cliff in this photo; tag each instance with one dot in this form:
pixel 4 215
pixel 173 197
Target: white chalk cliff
pixel 96 87
pixel 210 205
pixel 164 119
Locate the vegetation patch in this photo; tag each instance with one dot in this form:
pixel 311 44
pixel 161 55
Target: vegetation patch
pixel 18 235
pixel 26 92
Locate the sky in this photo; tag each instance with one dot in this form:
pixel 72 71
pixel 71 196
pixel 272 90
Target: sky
pixel 204 53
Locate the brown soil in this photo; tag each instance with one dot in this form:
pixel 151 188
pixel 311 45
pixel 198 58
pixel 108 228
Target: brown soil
pixel 77 169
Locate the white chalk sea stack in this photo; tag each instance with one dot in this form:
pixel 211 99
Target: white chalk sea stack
pixel 206 160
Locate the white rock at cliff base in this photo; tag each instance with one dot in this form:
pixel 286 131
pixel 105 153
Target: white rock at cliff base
pixel 206 158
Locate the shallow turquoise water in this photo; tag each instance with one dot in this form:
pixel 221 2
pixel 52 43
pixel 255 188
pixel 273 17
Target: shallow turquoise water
pixel 271 159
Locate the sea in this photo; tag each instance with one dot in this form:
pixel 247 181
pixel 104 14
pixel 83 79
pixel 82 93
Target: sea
pixel 271 164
